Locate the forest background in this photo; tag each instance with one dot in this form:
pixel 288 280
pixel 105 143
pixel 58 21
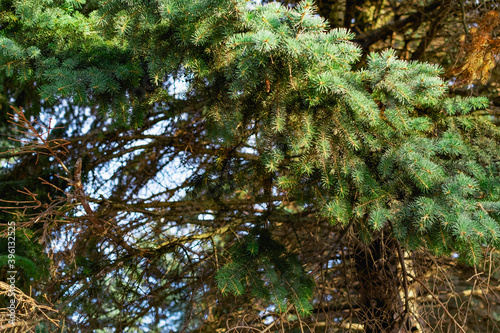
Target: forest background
pixel 213 166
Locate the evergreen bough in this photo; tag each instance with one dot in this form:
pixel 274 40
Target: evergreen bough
pixel 380 147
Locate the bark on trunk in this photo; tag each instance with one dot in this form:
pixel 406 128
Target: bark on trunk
pixel 380 282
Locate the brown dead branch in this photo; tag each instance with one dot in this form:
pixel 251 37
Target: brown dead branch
pixel 28 312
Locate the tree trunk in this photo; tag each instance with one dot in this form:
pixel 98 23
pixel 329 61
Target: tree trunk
pixel 377 271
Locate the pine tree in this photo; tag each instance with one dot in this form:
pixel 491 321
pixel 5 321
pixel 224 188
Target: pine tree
pixel 278 114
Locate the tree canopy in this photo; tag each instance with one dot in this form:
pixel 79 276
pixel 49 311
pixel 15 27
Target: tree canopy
pixel 218 165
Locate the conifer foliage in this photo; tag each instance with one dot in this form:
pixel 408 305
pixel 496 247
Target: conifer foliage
pixel 379 149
